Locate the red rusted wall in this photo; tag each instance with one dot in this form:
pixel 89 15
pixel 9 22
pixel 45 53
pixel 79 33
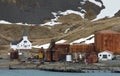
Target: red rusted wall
pixel 83 48
pixel 107 40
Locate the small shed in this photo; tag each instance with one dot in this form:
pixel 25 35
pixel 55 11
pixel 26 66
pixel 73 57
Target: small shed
pixel 105 55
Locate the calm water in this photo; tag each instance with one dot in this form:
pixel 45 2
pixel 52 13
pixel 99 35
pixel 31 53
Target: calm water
pixel 46 73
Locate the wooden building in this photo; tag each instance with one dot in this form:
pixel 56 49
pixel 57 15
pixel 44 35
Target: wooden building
pixel 107 40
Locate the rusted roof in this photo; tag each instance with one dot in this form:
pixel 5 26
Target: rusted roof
pixel 108 52
pixel 108 32
pixel 16 42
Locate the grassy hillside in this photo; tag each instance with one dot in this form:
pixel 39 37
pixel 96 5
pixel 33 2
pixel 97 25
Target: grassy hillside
pixel 43 34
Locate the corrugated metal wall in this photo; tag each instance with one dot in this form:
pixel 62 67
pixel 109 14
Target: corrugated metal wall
pixel 107 40
pixel 63 48
pixel 83 48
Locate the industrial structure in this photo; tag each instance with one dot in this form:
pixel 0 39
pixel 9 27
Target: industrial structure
pixel 106 45
pixel 107 40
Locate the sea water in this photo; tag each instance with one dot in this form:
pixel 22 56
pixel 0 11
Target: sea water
pixel 48 73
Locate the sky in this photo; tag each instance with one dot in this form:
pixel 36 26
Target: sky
pixel 111 7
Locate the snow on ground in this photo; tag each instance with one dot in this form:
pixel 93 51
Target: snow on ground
pixel 96 2
pixel 87 40
pixel 4 22
pixel 111 7
pixel 46 46
pixel 90 41
pixel 61 41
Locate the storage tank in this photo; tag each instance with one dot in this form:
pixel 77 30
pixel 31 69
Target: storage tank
pixel 68 58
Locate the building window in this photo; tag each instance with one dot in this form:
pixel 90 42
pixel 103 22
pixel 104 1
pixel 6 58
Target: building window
pixel 109 55
pixel 104 56
pixel 25 41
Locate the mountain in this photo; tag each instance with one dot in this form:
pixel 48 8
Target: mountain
pixel 38 11
pixel 69 19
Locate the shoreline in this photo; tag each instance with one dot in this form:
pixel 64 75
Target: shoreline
pixel 62 67
pixel 67 70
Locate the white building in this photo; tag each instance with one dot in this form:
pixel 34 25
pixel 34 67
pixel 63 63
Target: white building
pixel 105 55
pixel 23 43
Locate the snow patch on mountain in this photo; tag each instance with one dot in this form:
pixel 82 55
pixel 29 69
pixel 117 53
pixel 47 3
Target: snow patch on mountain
pixel 111 7
pixel 54 21
pixel 4 22
pixel 72 12
pixel 66 31
pixel 96 2
pixel 20 23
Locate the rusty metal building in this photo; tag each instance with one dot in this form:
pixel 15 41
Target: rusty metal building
pixel 83 48
pixel 107 40
pixel 63 47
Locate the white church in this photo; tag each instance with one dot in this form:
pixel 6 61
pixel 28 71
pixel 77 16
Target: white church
pixel 22 44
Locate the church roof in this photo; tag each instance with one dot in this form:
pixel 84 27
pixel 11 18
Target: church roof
pixel 16 42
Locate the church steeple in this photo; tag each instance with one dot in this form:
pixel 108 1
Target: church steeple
pixel 25 34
